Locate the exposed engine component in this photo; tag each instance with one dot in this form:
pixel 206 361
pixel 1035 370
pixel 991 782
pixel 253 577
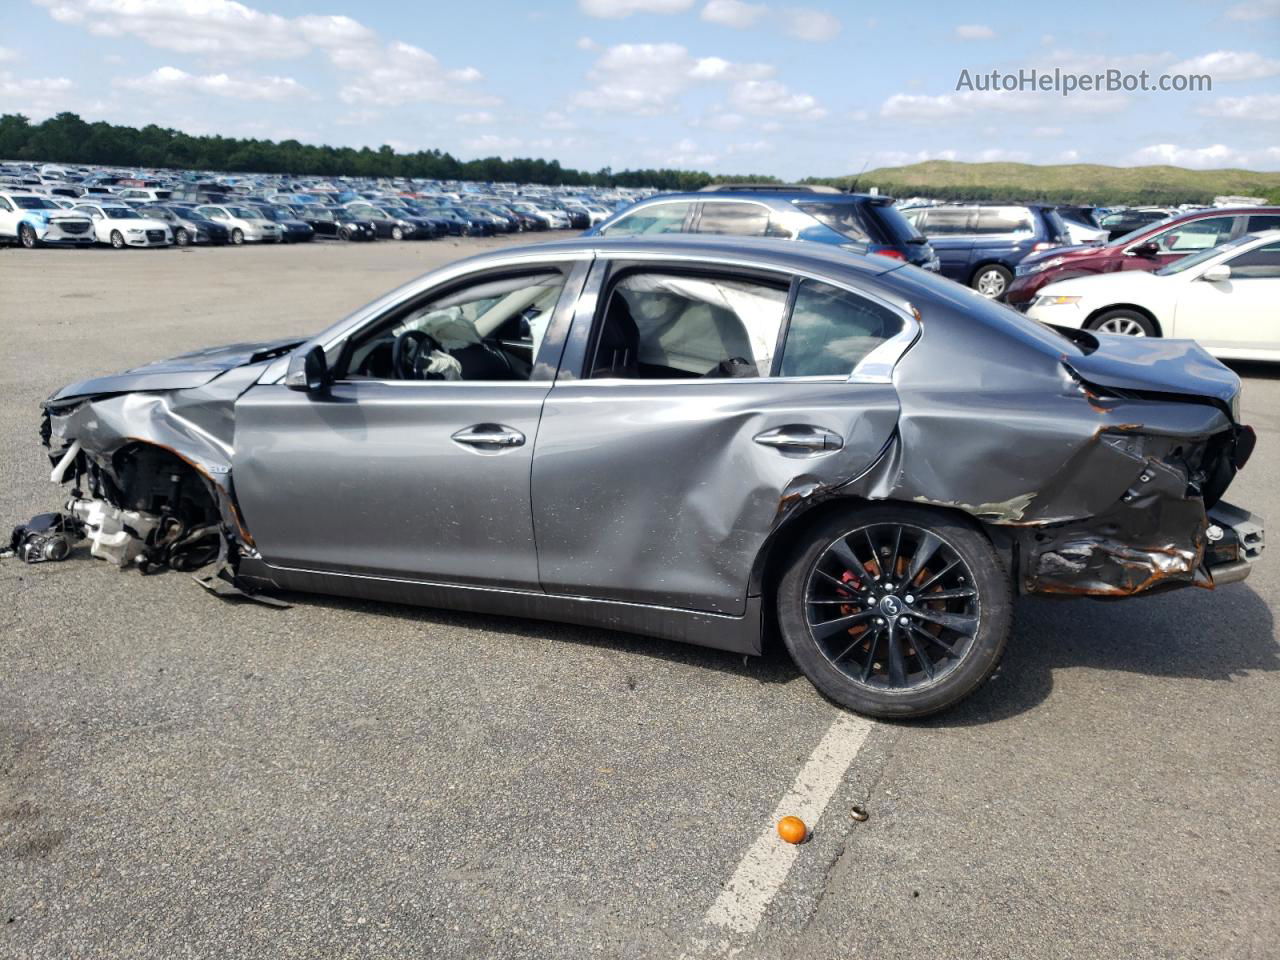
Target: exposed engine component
pixel 44 538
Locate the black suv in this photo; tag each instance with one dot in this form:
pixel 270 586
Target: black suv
pixel 863 223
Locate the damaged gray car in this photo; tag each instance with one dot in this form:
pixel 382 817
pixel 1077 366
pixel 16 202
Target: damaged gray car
pixel 709 440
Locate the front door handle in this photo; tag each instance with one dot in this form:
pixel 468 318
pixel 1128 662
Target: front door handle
pixel 800 438
pixel 489 437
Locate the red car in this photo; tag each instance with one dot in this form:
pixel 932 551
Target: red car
pixel 1146 248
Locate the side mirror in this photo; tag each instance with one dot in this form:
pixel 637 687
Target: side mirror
pixel 1217 273
pixel 308 370
pixel 1148 250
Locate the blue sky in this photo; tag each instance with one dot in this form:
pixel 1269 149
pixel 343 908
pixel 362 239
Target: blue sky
pixel 725 85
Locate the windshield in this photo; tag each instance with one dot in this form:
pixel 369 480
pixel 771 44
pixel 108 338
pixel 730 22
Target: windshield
pixel 158 213
pixel 120 213
pixel 1133 235
pixel 1186 263
pixel 35 203
pixel 244 214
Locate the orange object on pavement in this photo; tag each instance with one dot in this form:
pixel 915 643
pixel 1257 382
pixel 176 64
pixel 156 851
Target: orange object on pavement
pixel 792 829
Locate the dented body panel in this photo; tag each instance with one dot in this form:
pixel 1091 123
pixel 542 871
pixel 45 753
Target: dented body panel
pixel 1092 464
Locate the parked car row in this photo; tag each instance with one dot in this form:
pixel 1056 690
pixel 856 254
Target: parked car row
pixel 128 209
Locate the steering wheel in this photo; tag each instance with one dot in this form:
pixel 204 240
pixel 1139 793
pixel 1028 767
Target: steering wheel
pixel 406 350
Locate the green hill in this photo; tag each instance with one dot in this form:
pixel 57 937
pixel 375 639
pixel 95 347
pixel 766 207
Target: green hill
pixel 1080 182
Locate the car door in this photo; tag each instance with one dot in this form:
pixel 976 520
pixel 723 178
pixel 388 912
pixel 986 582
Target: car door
pixel 8 219
pixel 677 432
pixel 950 233
pixel 1238 313
pixel 406 478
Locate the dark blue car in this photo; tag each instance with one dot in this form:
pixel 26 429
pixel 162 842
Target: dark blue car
pixel 863 223
pixel 981 245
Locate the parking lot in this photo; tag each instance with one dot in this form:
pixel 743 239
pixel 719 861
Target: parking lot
pixel 184 776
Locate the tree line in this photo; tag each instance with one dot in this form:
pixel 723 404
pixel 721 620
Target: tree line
pixel 66 138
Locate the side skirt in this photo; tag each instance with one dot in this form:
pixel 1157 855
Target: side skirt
pixel 735 634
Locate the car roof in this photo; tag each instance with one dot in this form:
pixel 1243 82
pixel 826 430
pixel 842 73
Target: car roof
pixel 785 194
pixel 768 251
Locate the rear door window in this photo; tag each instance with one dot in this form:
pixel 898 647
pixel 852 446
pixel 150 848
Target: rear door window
pixel 654 218
pixel 832 330
pixel 947 221
pixel 734 219
pixel 847 219
pixel 661 326
pixel 1265 221
pixel 1000 220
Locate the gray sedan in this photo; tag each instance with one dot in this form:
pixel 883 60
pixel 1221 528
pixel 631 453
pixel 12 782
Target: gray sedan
pixel 702 439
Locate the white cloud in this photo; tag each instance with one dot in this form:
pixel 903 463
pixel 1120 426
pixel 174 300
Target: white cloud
pixel 167 81
pixel 685 153
pixel 555 120
pixel 1069 156
pixel 220 27
pixel 384 74
pixel 805 23
pixel 36 97
pixel 648 78
pixel 1227 65
pixel 1212 157
pixel 477 119
pixel 1261 107
pixel 974 31
pixel 492 143
pixel 617 9
pixel 6 54
pixel 1254 10
pixel 733 13
pixel 750 147
pixel 1047 131
pixel 402 73
pixel 909 106
pixel 771 98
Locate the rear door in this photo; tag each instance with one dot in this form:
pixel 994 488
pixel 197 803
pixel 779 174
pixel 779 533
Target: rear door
pixel 950 233
pixel 691 411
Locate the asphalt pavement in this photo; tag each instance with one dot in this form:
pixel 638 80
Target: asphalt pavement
pixel 187 777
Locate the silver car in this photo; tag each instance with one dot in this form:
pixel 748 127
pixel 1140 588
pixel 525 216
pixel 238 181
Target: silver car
pixel 702 439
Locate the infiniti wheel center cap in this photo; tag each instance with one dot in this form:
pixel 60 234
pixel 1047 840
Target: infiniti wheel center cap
pixel 890 606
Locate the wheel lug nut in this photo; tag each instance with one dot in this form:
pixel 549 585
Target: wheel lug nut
pixel 910 598
pixel 902 621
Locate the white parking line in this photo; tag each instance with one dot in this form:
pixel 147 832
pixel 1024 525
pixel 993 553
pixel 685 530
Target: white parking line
pixel 764 867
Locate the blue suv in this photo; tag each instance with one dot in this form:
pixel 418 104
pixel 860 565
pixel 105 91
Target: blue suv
pixel 981 245
pixel 860 222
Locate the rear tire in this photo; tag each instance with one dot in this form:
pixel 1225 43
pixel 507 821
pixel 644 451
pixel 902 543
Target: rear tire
pixel 879 641
pixel 117 240
pixel 1127 322
pixel 27 236
pixel 991 280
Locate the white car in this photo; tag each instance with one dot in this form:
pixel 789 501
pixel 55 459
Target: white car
pixel 32 220
pixel 245 224
pixel 1083 233
pixel 1227 298
pixel 122 226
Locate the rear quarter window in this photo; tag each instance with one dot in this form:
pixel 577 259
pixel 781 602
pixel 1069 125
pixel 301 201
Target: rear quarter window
pixel 831 330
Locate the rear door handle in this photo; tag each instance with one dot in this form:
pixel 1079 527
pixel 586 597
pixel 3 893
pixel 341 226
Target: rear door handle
pixel 489 437
pixel 800 438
